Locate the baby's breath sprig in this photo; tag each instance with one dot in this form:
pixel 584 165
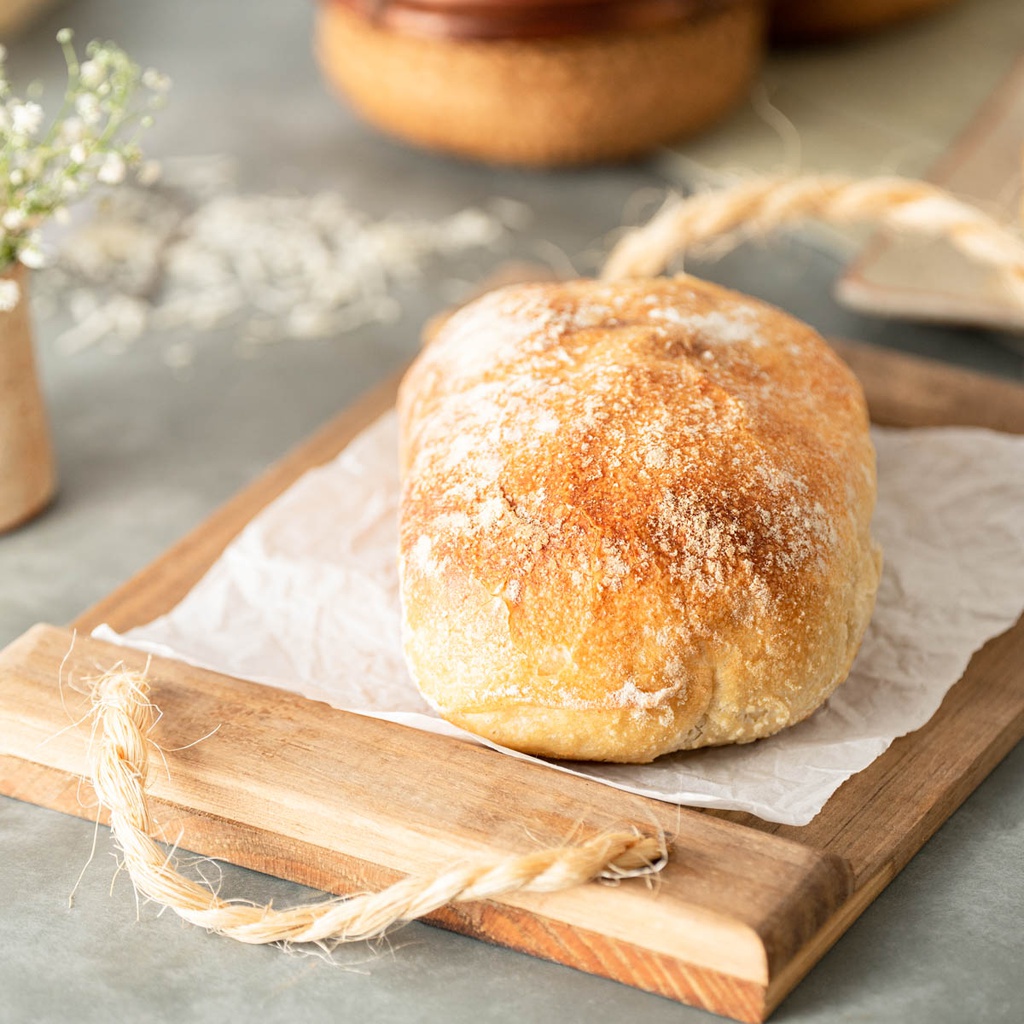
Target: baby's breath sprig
pixel 92 140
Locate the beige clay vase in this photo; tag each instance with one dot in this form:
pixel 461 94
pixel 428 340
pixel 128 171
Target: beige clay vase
pixel 27 474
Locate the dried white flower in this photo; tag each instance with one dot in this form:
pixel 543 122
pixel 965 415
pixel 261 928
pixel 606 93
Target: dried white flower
pixel 155 81
pixel 92 73
pixel 92 141
pixel 26 118
pixel 10 293
pixel 88 107
pixel 112 169
pixel 32 256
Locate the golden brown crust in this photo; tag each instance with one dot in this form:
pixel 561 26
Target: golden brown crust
pixel 823 20
pixel 635 518
pixel 545 102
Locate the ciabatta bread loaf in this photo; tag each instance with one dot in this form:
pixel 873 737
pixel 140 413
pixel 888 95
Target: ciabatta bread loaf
pixel 635 518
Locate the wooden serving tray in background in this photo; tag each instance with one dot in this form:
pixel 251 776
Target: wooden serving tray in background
pixel 908 277
pixel 291 787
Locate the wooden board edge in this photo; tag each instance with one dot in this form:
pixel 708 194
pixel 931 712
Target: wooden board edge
pixel 783 983
pixel 909 391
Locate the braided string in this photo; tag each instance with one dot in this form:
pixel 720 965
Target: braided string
pixel 120 767
pixel 759 206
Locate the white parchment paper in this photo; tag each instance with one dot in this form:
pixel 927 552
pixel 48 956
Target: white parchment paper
pixel 306 599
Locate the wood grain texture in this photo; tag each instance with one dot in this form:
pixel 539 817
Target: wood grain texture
pixel 296 789
pixel 905 391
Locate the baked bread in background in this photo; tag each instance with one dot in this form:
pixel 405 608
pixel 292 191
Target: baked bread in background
pixel 825 20
pixel 635 518
pixel 541 82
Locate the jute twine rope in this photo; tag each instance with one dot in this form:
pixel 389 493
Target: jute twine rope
pixel 761 205
pixel 123 716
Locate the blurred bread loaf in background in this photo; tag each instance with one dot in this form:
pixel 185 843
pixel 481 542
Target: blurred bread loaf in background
pixel 541 82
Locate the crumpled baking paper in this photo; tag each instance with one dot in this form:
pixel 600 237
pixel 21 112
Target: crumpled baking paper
pixel 306 599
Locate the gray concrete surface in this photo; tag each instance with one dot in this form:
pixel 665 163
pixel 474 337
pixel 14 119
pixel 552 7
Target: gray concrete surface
pixel 146 454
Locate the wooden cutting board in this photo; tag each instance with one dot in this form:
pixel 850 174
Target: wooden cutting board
pixel 291 787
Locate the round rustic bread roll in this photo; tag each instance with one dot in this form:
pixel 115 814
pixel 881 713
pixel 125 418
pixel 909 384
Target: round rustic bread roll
pixel 634 519
pixel 541 82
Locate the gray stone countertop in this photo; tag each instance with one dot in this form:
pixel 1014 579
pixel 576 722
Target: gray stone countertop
pixel 146 453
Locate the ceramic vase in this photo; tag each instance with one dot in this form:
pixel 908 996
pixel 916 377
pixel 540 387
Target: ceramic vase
pixel 27 471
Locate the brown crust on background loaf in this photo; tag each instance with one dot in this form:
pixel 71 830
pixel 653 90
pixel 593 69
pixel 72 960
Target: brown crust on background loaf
pixel 545 102
pixel 824 20
pixel 635 518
